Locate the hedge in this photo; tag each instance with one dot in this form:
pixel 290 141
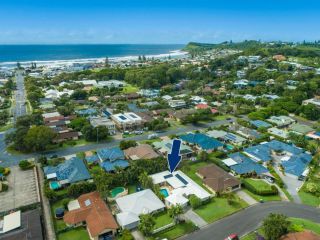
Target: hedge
pixel 272 191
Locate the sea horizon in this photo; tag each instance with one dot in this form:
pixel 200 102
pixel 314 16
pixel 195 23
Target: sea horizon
pixel 46 53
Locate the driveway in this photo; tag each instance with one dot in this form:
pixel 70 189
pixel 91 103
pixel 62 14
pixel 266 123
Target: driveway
pixel 246 197
pixel 195 218
pixel 250 218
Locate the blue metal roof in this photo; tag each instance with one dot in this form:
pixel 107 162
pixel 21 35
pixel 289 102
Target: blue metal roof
pixel 297 164
pixel 87 112
pixel 246 165
pixel 111 166
pixel 110 154
pixel 203 141
pixel 260 123
pixel 73 170
pixel 92 159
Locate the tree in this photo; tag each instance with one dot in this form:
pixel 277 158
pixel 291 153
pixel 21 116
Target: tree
pixel 75 190
pixel 125 234
pixel 275 225
pixel 195 202
pixel 4 116
pixel 103 183
pixel 125 144
pixel 95 134
pixel 145 180
pixel 25 164
pixel 78 123
pixel 175 211
pixel 146 224
pixel 38 138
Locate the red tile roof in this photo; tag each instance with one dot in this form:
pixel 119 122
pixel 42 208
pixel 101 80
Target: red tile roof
pixel 97 215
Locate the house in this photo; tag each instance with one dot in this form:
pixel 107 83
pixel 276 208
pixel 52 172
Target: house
pixel 314 135
pixel 87 83
pixel 177 104
pixel 91 210
pixel 296 165
pixel 111 158
pixel 70 171
pixel 241 164
pixel 142 151
pixel 196 100
pixel 164 147
pixel 243 83
pixel 217 180
pixel 260 124
pixel 128 120
pixel 202 141
pixel 278 132
pixel 281 121
pixel 315 101
pixel 177 187
pixel 111 84
pixel 179 115
pixel 149 93
pixel 227 137
pixel 87 112
pixel 167 97
pixel 23 226
pixel 304 235
pixel 105 122
pixel 133 205
pixel 300 129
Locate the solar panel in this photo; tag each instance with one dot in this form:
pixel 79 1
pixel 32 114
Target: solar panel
pixel 122 117
pixel 133 116
pixel 181 179
pixel 168 176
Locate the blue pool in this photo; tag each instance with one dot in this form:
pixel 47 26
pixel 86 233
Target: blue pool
pixel 164 192
pixel 54 185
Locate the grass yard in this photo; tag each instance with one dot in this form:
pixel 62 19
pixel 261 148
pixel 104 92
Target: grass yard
pixel 177 231
pixel 78 233
pixel 130 89
pixel 309 199
pixel 299 223
pixel 58 223
pixel 162 219
pixel 306 224
pixel 264 198
pixel 219 208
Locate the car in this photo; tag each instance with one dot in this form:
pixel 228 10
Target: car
pixel 152 136
pixel 232 237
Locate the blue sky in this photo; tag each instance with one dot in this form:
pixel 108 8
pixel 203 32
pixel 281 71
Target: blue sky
pixel 154 21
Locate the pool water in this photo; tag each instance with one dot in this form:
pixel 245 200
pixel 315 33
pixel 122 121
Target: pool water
pixel 116 191
pixel 54 185
pixel 229 147
pixel 164 192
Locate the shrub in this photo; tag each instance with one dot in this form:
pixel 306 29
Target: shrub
pixel 5 187
pixel 195 202
pixel 262 192
pixel 25 165
pixel 312 188
pixel 75 190
pixel 5 171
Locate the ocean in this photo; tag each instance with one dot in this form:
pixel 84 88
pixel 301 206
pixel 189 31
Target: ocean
pixel 26 53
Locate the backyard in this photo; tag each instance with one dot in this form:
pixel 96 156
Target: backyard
pixel 78 233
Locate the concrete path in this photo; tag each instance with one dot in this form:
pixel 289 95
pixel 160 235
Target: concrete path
pixel 246 197
pixel 137 235
pixel 195 218
pixel 46 209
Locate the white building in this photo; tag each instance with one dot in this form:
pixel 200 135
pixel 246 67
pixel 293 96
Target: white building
pixel 10 222
pixel 177 103
pixel 104 121
pixel 127 120
pixel 314 101
pixel 111 84
pixel 177 187
pixel 133 205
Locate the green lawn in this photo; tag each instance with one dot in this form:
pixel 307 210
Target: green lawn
pixel 177 231
pixel 162 219
pixel 306 224
pixel 6 127
pixel 130 89
pixel 261 185
pixel 219 208
pixel 58 224
pixel 309 199
pixel 303 224
pixel 78 234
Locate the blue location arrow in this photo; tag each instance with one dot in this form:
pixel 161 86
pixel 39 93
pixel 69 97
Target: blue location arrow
pixel 174 157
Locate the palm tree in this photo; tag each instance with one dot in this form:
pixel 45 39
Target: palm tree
pixel 175 212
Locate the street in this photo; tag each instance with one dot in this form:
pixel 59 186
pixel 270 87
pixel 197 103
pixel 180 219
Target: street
pixel 20 97
pixel 249 220
pixel 8 160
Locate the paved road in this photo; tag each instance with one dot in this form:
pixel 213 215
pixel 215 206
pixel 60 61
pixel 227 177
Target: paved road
pixel 249 220
pixel 20 97
pixel 7 160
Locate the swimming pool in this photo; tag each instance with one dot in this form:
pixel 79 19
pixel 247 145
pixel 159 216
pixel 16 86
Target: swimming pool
pixel 116 191
pixel 54 185
pixel 164 192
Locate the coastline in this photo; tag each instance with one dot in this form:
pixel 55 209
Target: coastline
pixel 69 62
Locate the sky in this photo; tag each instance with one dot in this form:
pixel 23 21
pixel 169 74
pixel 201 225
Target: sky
pixel 155 21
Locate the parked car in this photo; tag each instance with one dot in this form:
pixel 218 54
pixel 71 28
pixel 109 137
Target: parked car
pixel 232 237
